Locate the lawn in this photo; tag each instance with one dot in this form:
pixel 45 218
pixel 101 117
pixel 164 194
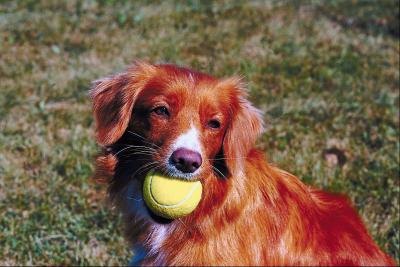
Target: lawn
pixel 326 74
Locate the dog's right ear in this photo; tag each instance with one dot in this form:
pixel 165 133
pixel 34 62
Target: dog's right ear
pixel 113 99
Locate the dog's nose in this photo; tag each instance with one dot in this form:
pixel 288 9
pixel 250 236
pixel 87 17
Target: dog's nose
pixel 186 160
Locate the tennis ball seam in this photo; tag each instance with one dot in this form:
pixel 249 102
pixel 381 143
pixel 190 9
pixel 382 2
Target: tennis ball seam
pixel 188 196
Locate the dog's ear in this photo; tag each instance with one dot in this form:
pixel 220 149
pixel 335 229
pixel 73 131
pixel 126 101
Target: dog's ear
pixel 245 127
pixel 113 99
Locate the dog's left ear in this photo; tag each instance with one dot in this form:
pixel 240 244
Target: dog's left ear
pixel 245 127
pixel 113 100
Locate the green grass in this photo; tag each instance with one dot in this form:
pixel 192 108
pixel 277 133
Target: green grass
pixel 325 74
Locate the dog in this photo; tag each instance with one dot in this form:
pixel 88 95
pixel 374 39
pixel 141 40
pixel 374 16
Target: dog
pixel 193 126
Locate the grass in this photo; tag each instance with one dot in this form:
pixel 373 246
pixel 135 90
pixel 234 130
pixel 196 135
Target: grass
pixel 326 74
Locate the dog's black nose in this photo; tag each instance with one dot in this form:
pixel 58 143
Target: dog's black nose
pixel 186 160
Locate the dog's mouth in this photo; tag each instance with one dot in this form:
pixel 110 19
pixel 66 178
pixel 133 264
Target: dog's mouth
pixel 169 170
pixel 158 219
pixel 175 173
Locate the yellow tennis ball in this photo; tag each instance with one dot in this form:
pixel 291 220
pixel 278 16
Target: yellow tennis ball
pixel 171 198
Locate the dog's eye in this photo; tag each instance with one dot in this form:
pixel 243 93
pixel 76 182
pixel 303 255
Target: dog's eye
pixel 161 111
pixel 214 124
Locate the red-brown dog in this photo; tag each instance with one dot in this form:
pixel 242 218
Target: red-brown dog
pixel 193 126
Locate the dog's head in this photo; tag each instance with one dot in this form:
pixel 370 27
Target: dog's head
pixel 180 122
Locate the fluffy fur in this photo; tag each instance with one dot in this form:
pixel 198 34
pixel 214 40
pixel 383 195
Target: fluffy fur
pixel 251 213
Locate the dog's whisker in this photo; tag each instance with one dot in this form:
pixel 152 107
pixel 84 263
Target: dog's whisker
pixel 143 148
pixel 138 153
pixel 216 169
pixel 138 135
pixel 227 158
pixel 128 155
pixel 143 139
pixel 123 149
pixel 144 167
pixel 139 146
pixel 150 164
